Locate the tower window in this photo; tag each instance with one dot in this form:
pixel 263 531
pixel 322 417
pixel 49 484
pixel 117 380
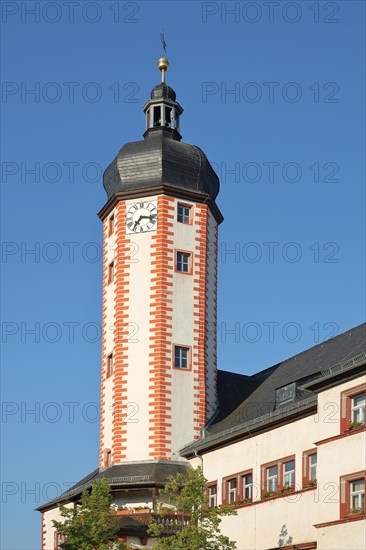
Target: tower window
pixel 111 225
pixel 183 262
pixel 184 213
pixel 169 119
pixel 109 365
pixel 111 272
pixel 157 116
pixel 107 458
pixel 181 357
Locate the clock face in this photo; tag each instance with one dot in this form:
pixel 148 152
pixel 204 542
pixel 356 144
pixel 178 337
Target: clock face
pixel 141 217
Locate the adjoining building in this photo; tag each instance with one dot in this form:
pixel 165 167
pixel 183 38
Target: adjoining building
pixel 285 447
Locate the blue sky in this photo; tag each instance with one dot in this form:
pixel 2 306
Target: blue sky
pixel 273 94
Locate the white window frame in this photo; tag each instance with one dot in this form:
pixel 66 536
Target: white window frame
pixel 312 467
pixel 185 217
pixel 357 496
pixel 358 411
pixel 181 359
pixel 290 473
pixel 183 261
pixel 212 496
pixel 272 480
pixel 247 487
pixel 232 490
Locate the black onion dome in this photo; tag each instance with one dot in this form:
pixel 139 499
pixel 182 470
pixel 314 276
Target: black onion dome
pixel 163 91
pixel 161 159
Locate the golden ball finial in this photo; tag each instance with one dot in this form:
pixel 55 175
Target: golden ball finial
pixel 163 65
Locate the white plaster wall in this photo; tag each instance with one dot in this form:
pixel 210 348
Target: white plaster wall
pixel 138 343
pixel 347 536
pixel 182 334
pixel 108 413
pixel 259 527
pixel 110 248
pixel 49 516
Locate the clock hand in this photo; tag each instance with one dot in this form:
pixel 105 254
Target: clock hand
pixel 147 217
pixel 138 221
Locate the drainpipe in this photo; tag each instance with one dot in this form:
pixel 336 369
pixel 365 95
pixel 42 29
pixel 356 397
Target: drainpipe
pixel 200 457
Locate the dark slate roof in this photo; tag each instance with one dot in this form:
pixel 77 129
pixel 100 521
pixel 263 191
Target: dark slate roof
pixel 263 399
pixel 161 159
pixel 258 405
pixel 132 474
pixel 232 388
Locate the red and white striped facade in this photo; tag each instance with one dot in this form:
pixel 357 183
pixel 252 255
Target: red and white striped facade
pixel 149 409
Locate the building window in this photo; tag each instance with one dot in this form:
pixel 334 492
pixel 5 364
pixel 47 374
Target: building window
pixel 212 495
pixel 184 262
pixel 59 539
pixel 309 466
pixel 353 403
pixel 111 225
pixel 357 495
pixel 238 488
pixel 111 272
pixel 358 409
pixel 109 365
pixel 289 473
pixel 181 357
pixel 231 490
pixel 184 213
pixel 313 461
pixel 278 476
pixel 247 491
pixel 272 479
pixel 352 501
pixel 285 394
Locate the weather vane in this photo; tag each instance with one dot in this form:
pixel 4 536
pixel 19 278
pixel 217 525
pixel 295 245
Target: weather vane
pixel 163 63
pixel 163 43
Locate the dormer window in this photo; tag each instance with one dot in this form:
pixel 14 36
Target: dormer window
pixel 286 394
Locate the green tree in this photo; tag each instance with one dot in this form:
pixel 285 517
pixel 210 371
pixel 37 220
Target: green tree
pixel 92 523
pixel 198 525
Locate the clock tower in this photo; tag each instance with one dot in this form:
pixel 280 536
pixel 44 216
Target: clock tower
pixel 159 373
pixel 158 387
